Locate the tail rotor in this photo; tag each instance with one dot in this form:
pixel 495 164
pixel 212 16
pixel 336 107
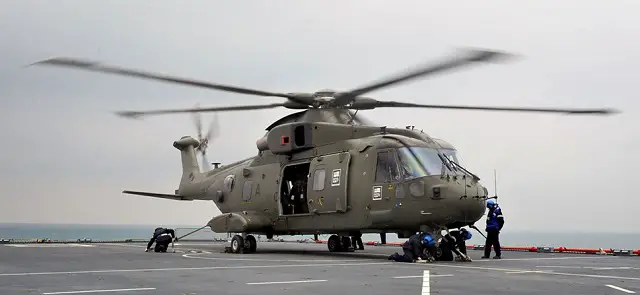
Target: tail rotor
pixel 212 133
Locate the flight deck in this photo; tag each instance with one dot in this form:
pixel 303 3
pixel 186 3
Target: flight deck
pixel 299 268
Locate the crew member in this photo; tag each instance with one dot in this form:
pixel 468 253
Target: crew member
pixel 454 242
pixel 414 249
pixel 356 241
pixel 495 222
pixel 162 237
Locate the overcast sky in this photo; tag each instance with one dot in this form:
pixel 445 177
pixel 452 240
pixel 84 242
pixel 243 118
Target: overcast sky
pixel 65 157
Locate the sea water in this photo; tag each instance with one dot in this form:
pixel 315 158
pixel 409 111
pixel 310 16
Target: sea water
pixel 571 239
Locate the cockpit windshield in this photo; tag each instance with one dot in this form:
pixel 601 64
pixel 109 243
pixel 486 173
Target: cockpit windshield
pixel 451 154
pixel 419 162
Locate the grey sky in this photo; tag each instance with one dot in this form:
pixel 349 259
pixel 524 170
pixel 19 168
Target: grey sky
pixel 65 157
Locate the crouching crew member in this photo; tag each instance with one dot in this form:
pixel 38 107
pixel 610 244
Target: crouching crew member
pixel 162 237
pixel 418 246
pixel 455 242
pixel 356 241
pixel 495 222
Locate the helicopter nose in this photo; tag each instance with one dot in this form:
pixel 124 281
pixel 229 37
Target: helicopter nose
pixel 465 201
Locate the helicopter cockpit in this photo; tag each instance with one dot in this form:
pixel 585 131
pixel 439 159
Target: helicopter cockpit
pixel 414 162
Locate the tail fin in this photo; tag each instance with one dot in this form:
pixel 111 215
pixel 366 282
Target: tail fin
pixel 190 168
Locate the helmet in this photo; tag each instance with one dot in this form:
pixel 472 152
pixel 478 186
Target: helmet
pixel 465 234
pixel 428 240
pixel 491 203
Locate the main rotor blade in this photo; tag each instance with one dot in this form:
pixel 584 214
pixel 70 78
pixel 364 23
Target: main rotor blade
pixel 393 104
pixel 473 56
pixel 97 67
pixel 137 114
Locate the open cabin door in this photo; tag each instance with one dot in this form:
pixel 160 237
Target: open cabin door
pixel 327 187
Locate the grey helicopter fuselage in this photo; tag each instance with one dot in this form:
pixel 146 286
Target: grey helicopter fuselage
pixel 358 179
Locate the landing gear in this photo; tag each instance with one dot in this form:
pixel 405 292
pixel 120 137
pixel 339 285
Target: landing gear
pixel 250 244
pixel 237 244
pixel 243 245
pixel 339 244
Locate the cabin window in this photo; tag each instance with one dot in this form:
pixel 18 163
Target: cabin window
pixel 229 181
pixel 387 167
pixel 298 133
pixel 246 190
pixel 318 179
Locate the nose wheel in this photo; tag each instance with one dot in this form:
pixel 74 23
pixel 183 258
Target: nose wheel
pixel 244 245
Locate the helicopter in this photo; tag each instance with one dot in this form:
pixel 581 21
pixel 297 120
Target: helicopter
pixel 326 170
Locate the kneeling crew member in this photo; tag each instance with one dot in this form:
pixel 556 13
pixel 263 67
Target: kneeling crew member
pixel 162 237
pixel 455 242
pixel 414 248
pixel 495 222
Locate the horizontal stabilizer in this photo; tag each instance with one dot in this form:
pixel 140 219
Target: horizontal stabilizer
pixel 156 195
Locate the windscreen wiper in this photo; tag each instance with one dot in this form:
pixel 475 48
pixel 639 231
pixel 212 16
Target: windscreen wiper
pixel 475 177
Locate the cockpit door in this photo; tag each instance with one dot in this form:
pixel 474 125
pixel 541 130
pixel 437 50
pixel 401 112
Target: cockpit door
pixel 387 179
pixel 328 183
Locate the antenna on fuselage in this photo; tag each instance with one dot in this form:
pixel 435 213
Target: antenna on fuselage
pixel 495 185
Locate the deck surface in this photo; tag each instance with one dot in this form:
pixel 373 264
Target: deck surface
pixel 297 268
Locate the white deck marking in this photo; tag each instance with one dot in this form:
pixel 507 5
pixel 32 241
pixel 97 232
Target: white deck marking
pixel 273 260
pixel 99 291
pixel 426 286
pixel 47 245
pixel 287 282
pixel 411 277
pixel 589 267
pixel 620 289
pixel 525 270
pixel 544 258
pixel 189 268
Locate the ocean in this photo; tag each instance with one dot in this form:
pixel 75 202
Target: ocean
pixel 120 232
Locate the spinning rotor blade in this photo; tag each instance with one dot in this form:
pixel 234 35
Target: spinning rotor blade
pixel 394 104
pixel 213 129
pixel 97 67
pixel 137 114
pixel 471 57
pixel 198 122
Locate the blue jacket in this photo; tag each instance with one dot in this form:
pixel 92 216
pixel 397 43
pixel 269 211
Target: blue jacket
pixel 495 220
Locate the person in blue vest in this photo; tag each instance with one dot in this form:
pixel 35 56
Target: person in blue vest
pixel 455 243
pixel 495 222
pixel 414 249
pixel 162 237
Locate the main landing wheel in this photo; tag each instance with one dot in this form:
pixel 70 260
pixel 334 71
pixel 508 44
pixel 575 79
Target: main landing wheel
pixel 338 244
pixel 250 244
pixel 334 244
pixel 237 244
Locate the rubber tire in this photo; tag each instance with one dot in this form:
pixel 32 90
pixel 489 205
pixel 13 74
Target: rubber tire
pixel 251 244
pixel 237 244
pixel 334 243
pixel 444 253
pixel 346 244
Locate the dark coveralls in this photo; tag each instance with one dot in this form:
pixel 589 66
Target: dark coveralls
pixel 162 237
pixel 412 248
pixel 453 242
pixel 356 241
pixel 495 222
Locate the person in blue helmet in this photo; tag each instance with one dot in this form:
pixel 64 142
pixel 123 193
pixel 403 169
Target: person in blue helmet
pixel 414 249
pixel 455 242
pixel 495 222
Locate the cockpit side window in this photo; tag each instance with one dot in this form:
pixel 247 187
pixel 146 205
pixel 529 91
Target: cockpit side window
pixel 387 167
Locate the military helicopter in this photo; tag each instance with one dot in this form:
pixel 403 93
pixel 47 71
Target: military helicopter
pixel 325 170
